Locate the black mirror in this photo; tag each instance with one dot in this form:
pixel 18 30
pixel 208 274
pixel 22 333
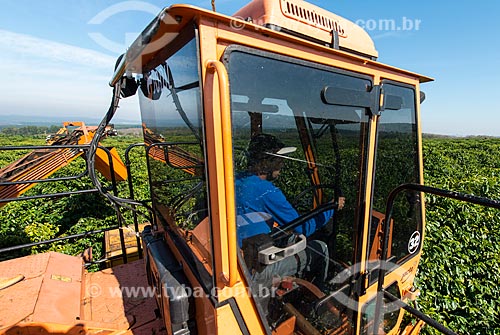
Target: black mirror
pixel 129 87
pixel 422 97
pixel 129 84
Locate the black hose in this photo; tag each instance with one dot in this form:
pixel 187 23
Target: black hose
pixel 116 201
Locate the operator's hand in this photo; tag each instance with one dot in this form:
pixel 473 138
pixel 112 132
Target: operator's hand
pixel 341 203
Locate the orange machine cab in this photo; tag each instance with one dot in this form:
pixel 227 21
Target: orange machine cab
pixel 207 84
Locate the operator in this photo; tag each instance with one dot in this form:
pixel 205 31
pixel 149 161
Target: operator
pixel 255 193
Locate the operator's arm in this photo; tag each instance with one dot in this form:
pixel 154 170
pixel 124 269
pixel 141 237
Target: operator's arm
pixel 283 212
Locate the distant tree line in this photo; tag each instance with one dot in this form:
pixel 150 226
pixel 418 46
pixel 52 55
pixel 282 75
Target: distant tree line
pixel 29 130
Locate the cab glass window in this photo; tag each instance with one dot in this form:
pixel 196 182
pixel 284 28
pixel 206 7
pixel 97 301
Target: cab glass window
pixel 280 100
pixel 173 132
pixel 397 163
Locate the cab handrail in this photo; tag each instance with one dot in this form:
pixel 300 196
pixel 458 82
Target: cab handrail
pixel 389 207
pixel 227 149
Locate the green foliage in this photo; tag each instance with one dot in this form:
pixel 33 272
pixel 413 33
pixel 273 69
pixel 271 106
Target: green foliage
pixel 7 157
pixel 460 269
pixel 459 274
pixel 37 220
pixel 29 130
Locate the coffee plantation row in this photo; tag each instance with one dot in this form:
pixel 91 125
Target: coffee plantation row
pixel 459 274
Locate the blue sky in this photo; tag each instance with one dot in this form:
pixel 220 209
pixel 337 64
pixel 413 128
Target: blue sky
pixel 53 61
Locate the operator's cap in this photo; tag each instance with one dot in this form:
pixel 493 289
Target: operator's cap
pixel 263 145
pixel 286 150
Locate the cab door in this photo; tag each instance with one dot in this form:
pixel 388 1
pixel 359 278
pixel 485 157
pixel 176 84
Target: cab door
pixel 398 161
pixel 336 110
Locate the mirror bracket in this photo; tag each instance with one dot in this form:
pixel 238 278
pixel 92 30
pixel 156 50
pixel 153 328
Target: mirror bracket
pixel 368 99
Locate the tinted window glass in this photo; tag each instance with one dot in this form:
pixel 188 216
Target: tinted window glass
pixel 397 163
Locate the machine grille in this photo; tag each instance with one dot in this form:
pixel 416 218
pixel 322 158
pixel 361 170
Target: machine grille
pixel 309 16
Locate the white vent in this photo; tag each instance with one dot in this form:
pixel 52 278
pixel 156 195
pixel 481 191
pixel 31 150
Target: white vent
pixel 306 15
pixel 305 20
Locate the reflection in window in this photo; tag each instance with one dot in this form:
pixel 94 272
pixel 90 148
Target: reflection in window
pixel 390 314
pixel 172 126
pixel 397 163
pixel 284 99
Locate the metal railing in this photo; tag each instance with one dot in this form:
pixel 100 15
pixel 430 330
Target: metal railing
pixel 112 187
pixel 132 193
pixel 381 292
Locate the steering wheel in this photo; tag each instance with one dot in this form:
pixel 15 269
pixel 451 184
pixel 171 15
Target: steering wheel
pixel 298 198
pixel 282 231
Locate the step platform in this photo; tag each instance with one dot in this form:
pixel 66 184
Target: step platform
pixel 57 296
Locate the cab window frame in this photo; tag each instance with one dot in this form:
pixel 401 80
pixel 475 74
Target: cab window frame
pixel 417 164
pixel 189 34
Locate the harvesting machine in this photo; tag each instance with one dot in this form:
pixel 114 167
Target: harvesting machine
pixel 62 148
pixel 207 83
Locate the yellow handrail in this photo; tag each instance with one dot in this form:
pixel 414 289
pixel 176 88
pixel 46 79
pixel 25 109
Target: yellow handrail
pixel 228 167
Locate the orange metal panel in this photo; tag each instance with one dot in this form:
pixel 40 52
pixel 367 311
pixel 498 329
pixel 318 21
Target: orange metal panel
pixel 213 108
pixel 226 321
pixel 120 297
pixel 50 291
pixel 213 137
pixel 112 245
pixel 177 16
pixel 286 328
pixel 20 299
pixel 56 297
pixel 201 244
pixel 231 276
pixel 413 329
pixel 103 166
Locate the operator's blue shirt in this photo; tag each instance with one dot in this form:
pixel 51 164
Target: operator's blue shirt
pixel 254 195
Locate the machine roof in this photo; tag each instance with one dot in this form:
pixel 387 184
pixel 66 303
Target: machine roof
pixel 171 21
